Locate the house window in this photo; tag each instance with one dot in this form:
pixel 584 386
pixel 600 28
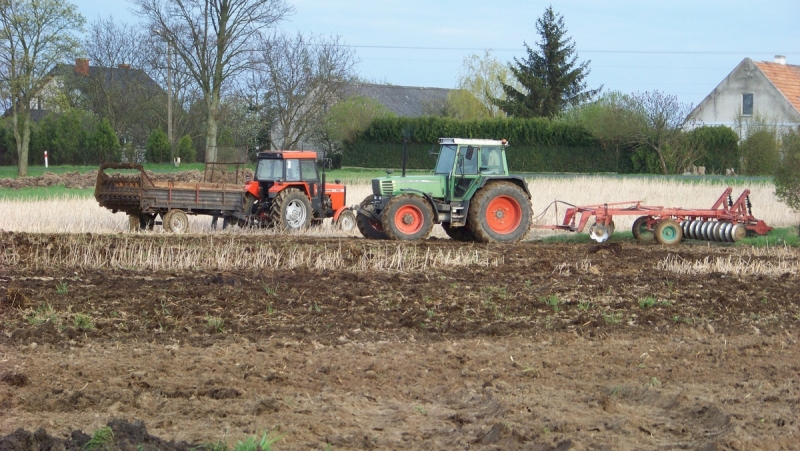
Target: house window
pixel 747 104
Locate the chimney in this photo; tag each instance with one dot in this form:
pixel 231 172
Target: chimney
pixel 82 66
pixel 780 59
pixel 123 66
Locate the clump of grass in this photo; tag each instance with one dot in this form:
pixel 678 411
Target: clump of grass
pixel 215 323
pixel 102 439
pixel 61 288
pixel 270 290
pixel 42 314
pixel 552 301
pixel 647 302
pixel 82 321
pixel 612 318
pixel 584 305
pixel 253 444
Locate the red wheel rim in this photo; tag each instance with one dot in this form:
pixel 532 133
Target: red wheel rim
pixel 503 215
pixel 408 219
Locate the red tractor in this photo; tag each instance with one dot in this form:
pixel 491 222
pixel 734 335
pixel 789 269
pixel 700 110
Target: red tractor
pixel 289 193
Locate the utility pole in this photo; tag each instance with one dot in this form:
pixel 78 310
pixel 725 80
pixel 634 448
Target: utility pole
pixel 169 93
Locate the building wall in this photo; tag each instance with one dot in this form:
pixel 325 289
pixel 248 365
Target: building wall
pixel 724 105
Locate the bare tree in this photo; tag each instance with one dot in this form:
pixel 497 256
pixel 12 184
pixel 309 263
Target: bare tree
pixel 35 35
pixel 213 39
pixel 117 87
pixel 657 122
pixel 304 75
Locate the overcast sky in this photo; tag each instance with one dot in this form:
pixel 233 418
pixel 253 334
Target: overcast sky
pixel 679 47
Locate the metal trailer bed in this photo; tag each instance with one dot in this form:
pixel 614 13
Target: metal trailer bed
pixel 145 200
pixel 725 221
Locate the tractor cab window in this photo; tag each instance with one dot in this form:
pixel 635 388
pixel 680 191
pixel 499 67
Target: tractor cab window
pixel 293 170
pixel 492 160
pixel 467 163
pixel 269 169
pixel 309 170
pixel 447 156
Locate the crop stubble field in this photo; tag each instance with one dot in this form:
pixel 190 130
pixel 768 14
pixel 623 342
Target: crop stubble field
pixel 338 342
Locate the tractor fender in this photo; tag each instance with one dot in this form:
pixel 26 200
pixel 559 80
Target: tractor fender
pixel 426 196
pixel 252 188
pixel 519 181
pixel 339 211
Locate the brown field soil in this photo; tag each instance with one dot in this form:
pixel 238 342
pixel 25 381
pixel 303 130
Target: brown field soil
pixel 555 347
pixel 88 179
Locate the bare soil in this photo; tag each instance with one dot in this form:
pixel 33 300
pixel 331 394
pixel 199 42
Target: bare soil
pixel 557 348
pixel 88 179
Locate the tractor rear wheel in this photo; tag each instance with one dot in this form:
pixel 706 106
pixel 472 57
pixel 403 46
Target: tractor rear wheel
pixel 640 230
pixel 369 227
pixel 176 221
pixel 668 232
pixel 346 221
pixel 500 213
pixel 291 210
pixel 458 233
pixel 407 217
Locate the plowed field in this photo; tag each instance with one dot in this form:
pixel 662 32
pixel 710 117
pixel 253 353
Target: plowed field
pixel 342 343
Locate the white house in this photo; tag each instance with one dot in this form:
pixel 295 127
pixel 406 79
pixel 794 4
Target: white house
pixel 768 90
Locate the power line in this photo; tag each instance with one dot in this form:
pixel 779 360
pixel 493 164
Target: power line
pixel 626 52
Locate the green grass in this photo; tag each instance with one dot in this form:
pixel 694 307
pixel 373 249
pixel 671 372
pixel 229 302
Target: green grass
pixel 780 236
pixel 102 439
pixel 45 192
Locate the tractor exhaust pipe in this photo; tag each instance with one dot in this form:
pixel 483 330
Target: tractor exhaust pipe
pixel 405 155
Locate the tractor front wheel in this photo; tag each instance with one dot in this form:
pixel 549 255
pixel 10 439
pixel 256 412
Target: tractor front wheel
pixel 369 227
pixel 500 213
pixel 346 221
pixel 291 210
pixel 668 232
pixel 407 217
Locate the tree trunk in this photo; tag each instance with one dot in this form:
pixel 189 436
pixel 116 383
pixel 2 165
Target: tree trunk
pixel 663 161
pixel 22 136
pixel 213 129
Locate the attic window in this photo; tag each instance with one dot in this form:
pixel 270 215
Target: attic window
pixel 747 104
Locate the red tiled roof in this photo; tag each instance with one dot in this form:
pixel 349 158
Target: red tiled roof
pixel 786 78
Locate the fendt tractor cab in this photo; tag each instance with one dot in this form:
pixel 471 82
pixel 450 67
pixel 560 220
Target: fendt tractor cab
pixel 470 193
pixel 288 192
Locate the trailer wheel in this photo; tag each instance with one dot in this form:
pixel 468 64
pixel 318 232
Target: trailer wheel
pixel 500 212
pixel 640 230
pixel 176 221
pixel 134 223
pixel 291 210
pixel 668 232
pixel 346 221
pixel 369 227
pixel 458 233
pixel 407 217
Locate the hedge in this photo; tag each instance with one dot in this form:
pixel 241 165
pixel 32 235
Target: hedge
pixel 536 145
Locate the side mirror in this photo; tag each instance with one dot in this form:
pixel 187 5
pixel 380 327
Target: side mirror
pixel 470 152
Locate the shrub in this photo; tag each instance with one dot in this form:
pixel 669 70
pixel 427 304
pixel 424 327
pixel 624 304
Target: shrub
pixel 157 147
pixel 760 153
pixel 787 174
pixel 186 150
pixel 104 144
pixel 721 146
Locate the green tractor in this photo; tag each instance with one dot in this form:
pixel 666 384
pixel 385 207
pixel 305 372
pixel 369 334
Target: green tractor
pixel 470 194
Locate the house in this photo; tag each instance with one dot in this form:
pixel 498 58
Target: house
pixel 767 90
pixel 91 86
pixel 408 101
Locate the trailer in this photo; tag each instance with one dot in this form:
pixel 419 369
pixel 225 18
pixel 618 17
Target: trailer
pixel 145 200
pixel 725 221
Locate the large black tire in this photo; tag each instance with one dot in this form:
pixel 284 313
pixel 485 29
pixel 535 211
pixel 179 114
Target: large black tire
pixel 458 233
pixel 176 221
pixel 368 227
pixel 407 217
pixel 500 213
pixel 291 210
pixel 640 230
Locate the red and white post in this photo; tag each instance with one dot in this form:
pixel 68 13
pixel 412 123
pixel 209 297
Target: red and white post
pixel 45 158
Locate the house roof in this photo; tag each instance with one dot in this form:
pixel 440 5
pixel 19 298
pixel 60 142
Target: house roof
pixel 123 77
pixel 785 77
pixel 408 101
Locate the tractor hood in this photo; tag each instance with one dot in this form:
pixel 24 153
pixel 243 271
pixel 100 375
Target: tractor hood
pixel 429 184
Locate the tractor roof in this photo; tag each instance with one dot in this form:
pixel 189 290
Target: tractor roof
pixel 284 154
pixel 474 142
